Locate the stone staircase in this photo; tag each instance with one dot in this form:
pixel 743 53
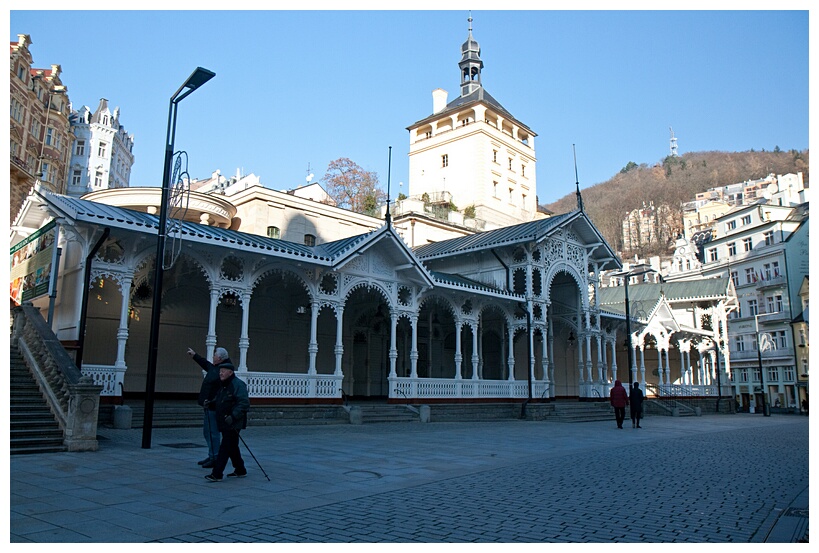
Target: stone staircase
pixel 581 411
pixel 32 428
pixel 382 412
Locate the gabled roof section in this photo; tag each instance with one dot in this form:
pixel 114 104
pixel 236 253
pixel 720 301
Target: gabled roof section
pixel 458 282
pixel 85 211
pixel 532 231
pixel 715 289
pixel 524 232
pixel 402 257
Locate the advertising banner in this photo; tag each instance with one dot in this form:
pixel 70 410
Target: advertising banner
pixel 31 264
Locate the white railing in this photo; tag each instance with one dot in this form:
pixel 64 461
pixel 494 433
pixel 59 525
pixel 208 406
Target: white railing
pixel 685 390
pixel 108 376
pixel 281 385
pixel 428 388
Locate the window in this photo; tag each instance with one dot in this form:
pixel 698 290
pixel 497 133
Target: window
pixel 511 192
pixel 735 278
pixel 750 278
pixel 98 179
pixel 775 268
pixel 273 232
pixel 746 220
pixel 76 177
pixel 757 375
pixel 790 375
pixel 101 149
pixel 753 308
pixel 712 254
pixel 445 160
pixel 773 374
pixel 739 343
pixel 21 72
pixel 743 375
pixel 495 156
pixel 35 128
pixel 16 111
pixel 747 244
pixel 732 248
pixel 309 240
pixel 79 148
pixel 780 338
pixel 522 170
pixel 774 303
pixel 49 137
pixel 769 238
pixel 730 225
pixel 510 163
pixel 523 201
pixel 494 189
pixel 45 170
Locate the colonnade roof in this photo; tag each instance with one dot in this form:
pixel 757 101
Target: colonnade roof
pixel 612 298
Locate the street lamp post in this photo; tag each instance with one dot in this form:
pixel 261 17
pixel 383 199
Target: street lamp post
pixel 765 408
pixel 626 277
pixel 199 77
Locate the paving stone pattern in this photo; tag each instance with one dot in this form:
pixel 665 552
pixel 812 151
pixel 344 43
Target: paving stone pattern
pixel 716 478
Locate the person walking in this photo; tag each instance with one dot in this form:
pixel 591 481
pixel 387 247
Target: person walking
pixel 231 405
pixel 636 399
pixel 207 391
pixel 619 399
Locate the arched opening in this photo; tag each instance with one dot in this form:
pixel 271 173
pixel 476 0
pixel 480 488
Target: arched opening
pixel 366 362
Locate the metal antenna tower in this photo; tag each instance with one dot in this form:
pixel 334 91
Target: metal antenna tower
pixel 673 143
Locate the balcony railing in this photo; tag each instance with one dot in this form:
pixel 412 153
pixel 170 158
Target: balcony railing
pixel 771 282
pixel 769 354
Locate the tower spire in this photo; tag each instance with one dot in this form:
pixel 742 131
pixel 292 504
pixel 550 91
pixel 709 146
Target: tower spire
pixel 470 63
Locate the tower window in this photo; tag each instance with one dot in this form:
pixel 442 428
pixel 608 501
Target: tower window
pixel 309 240
pixel 273 232
pixel 76 177
pixel 510 163
pixel 445 160
pixel 495 156
pixel 80 148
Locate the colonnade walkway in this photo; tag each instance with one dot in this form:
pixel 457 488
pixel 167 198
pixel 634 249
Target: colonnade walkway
pixel 738 478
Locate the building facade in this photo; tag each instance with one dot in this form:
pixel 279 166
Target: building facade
pixel 40 134
pixel 750 247
pixel 102 153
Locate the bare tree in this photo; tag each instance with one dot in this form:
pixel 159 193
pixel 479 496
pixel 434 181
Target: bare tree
pixel 352 187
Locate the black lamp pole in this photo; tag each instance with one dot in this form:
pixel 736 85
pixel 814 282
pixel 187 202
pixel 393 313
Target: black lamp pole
pixel 199 77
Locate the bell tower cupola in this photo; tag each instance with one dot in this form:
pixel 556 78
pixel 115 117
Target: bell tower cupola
pixel 470 64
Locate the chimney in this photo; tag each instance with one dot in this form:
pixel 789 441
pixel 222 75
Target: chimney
pixel 439 96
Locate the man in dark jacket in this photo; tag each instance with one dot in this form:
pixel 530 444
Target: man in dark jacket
pixel 619 399
pixel 231 405
pixel 210 385
pixel 636 399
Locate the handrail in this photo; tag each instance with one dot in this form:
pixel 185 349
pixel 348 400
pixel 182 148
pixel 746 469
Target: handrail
pixel 72 397
pixel 408 406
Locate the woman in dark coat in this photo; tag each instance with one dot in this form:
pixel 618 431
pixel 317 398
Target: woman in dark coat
pixel 619 399
pixel 636 398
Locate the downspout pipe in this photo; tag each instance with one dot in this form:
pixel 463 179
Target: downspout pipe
pixel 84 311
pixel 505 266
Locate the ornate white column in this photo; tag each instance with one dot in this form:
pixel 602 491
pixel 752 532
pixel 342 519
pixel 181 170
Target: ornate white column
pixel 122 331
pixel 551 358
pixel 683 368
pixel 510 360
pixel 393 343
pixel 210 340
pixel 475 357
pixel 458 355
pixel 667 366
pixel 613 358
pixel 414 350
pixel 660 364
pixel 339 349
pixel 643 363
pixel 580 364
pixel 600 359
pixel 244 341
pixel 312 347
pixel 544 358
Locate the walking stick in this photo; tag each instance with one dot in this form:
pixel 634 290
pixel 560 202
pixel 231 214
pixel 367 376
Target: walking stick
pixel 251 454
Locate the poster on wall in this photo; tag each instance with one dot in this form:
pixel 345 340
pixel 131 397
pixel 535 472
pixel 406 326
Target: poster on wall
pixel 31 261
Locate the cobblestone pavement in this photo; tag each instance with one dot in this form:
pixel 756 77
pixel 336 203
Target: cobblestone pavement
pixel 718 478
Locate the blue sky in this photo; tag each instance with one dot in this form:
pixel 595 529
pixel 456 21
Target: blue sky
pixel 299 88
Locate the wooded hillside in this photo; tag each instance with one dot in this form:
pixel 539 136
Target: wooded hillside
pixel 672 182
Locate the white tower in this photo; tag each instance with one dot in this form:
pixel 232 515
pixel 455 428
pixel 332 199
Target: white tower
pixel 473 152
pixel 102 153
